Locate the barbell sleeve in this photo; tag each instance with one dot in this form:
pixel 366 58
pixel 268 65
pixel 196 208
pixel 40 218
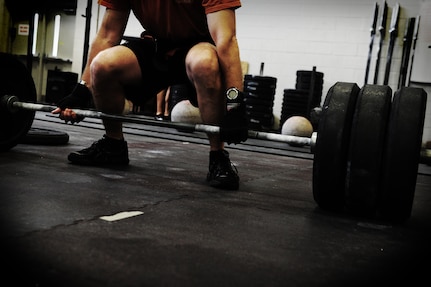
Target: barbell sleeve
pixel 280 138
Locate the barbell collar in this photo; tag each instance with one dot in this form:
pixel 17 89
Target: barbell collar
pixel 313 141
pixel 8 101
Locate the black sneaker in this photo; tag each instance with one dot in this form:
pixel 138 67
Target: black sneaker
pixel 222 173
pixel 105 151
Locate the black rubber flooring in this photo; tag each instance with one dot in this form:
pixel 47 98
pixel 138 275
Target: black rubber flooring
pixel 184 233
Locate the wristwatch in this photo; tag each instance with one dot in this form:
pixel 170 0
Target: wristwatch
pixel 232 93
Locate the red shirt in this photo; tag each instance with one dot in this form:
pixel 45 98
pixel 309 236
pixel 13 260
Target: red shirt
pixel 173 20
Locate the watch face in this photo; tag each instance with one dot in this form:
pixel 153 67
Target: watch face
pixel 232 94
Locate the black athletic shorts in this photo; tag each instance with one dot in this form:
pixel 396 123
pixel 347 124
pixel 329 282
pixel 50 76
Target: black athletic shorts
pixel 158 71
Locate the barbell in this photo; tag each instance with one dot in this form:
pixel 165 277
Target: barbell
pixel 12 104
pixel 366 148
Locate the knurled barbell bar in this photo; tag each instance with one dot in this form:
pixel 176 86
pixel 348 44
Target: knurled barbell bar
pixel 366 149
pixel 12 104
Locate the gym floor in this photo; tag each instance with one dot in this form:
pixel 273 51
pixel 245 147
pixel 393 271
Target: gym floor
pixel 269 233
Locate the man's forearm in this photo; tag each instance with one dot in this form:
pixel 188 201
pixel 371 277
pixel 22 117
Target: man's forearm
pixel 231 64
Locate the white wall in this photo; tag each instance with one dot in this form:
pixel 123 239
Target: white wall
pixel 332 35
pixel 291 35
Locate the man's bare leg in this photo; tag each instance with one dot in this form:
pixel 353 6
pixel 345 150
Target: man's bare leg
pixel 203 70
pixel 110 71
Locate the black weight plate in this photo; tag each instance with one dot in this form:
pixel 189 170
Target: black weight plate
pixel 307 86
pixel 262 122
pixel 260 84
pixel 15 80
pixel 402 153
pixel 295 109
pixel 296 92
pixel 364 163
pixel 258 108
pixel 300 102
pixel 250 101
pixel 259 90
pixel 262 96
pixel 260 79
pixel 303 97
pixel 298 96
pixel 257 115
pixel 294 113
pixel 307 79
pixel 295 100
pixel 306 74
pixel 291 112
pixel 295 106
pixel 38 136
pixel 307 82
pixel 330 152
pixel 315 102
pixel 295 103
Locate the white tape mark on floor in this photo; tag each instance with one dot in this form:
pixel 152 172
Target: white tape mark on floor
pixel 121 215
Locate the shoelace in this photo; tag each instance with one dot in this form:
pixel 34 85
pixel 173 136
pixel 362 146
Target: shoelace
pixel 94 146
pixel 223 167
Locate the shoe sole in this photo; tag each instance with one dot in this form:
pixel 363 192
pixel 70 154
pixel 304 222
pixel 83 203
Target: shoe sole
pixel 224 184
pixel 76 159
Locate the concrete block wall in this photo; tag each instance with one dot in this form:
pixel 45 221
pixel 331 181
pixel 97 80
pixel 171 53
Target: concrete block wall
pixel 332 35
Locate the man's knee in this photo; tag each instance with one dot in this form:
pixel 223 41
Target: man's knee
pixel 202 61
pixel 101 65
pixel 116 63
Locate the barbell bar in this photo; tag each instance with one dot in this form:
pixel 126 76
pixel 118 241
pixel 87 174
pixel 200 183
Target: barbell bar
pixel 12 104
